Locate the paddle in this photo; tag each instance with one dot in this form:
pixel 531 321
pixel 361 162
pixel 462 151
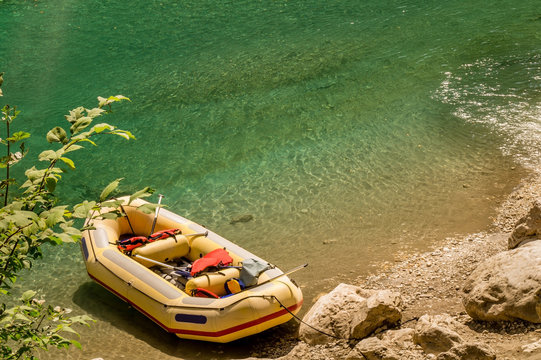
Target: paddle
pixel 197 234
pixel 185 269
pixel 160 197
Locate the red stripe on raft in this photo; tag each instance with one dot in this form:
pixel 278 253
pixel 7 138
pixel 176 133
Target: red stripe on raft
pixel 129 302
pixel 205 333
pixel 239 327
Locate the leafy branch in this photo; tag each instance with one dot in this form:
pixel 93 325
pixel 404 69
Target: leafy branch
pixel 32 325
pixel 33 218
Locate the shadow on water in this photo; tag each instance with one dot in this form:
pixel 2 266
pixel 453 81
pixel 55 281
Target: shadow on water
pixel 103 306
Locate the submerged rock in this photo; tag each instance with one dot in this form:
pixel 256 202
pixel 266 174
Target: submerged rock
pixel 242 218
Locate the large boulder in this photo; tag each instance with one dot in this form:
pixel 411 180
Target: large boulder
pixel 436 334
pixel 506 286
pixel 350 312
pixel 528 228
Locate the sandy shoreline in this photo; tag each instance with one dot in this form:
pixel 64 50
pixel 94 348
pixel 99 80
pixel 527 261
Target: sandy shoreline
pixel 430 283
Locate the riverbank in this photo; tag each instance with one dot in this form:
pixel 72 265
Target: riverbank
pixel 430 283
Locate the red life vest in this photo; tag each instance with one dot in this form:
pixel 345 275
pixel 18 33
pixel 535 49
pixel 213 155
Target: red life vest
pixel 129 244
pixel 164 234
pixel 218 257
pixel 200 292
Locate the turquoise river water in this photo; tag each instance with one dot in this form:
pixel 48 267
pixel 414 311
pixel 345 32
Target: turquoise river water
pixel 352 131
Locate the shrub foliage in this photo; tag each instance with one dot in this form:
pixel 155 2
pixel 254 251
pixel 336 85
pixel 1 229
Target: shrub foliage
pixel 32 216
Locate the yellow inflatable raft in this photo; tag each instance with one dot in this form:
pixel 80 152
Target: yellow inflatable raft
pixel 169 300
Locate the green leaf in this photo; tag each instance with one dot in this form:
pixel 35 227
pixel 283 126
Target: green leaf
pixel 70 230
pixel 119 98
pixel 68 162
pixel 59 238
pixel 50 183
pixel 81 319
pixel 80 139
pixel 21 317
pixel 94 112
pixel 80 124
pixel 111 99
pixel 27 295
pixel 81 210
pixel 72 147
pixel 47 155
pixel 82 136
pixel 53 216
pixel 75 114
pixel 112 203
pixel 109 215
pixel 31 229
pixel 57 134
pixel 54 239
pixel 147 208
pixel 125 134
pixel 19 135
pixel 34 174
pixel 76 344
pixel 22 218
pixel 146 192
pixel 67 328
pixel 102 127
pixel 4 161
pixel 109 189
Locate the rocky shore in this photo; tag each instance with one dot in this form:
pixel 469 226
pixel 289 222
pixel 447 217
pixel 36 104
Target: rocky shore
pixel 449 309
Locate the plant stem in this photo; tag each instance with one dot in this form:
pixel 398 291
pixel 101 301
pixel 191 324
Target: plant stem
pixel 40 321
pixel 7 165
pixel 14 233
pixel 10 255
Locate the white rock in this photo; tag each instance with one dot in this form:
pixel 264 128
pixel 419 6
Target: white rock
pixel 528 228
pixel 401 338
pixel 468 351
pixel 506 286
pixel 533 347
pixel 372 348
pixel 350 312
pixel 435 334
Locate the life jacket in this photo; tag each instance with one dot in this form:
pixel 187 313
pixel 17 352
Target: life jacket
pixel 200 292
pixel 164 234
pixel 217 258
pixel 127 245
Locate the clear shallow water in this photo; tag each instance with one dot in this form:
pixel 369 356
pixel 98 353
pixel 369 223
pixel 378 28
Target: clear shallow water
pixel 350 131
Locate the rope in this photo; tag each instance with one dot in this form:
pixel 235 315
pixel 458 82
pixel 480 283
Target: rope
pixel 310 326
pixel 301 321
pixel 325 333
pixel 127 218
